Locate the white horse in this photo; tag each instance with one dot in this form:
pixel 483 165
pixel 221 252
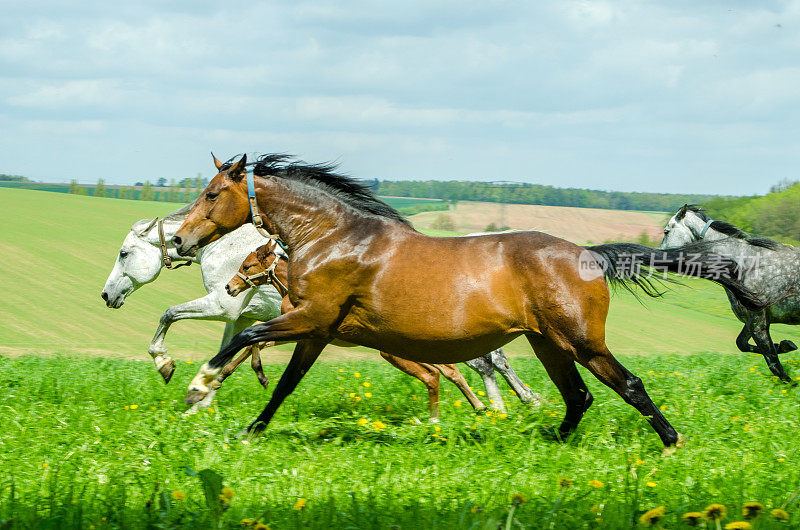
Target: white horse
pixel 141 259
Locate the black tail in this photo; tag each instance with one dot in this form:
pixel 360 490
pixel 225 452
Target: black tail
pixel 627 264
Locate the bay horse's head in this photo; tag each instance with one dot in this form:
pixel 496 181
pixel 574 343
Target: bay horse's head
pixel 253 270
pixel 220 209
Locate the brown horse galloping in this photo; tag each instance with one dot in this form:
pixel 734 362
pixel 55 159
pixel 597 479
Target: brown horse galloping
pixel 360 273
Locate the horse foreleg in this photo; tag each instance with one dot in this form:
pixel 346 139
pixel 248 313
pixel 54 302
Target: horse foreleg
pixel 201 308
pixel 202 395
pixel 426 374
pixel 500 363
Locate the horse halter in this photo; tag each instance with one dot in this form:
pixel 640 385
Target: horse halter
pixel 165 259
pixel 257 221
pixel 269 273
pixel 705 229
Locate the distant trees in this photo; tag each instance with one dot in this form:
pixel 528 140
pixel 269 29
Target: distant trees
pixel 147 193
pixel 100 189
pixel 443 222
pixel 75 189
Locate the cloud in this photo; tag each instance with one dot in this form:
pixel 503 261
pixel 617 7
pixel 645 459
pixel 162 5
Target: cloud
pixel 615 95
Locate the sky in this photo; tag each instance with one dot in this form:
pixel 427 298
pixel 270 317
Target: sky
pixel 679 96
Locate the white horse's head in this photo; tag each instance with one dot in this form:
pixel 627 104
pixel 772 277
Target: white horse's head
pixel 138 263
pixel 683 228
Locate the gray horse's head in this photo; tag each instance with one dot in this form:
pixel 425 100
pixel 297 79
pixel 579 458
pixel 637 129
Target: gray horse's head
pixel 685 227
pixel 138 263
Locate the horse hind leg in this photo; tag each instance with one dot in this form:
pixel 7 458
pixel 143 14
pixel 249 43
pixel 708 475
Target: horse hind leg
pixel 610 372
pixel 759 328
pixel 561 369
pixel 255 362
pixel 454 375
pixel 743 343
pixel 424 373
pixel 500 363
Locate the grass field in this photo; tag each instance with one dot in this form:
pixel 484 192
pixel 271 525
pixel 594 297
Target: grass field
pixel 98 441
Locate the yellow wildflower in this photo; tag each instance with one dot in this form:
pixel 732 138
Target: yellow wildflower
pixel 362 421
pixel 260 526
pixel 300 504
pixel 367 384
pixel 247 522
pixel 210 410
pixel 651 484
pixel 752 510
pixel 457 403
pixel 779 514
pixel 352 394
pixel 502 415
pixel 476 509
pixel 178 495
pixel 227 493
pixel 356 374
pixel 639 462
pixel 692 518
pixel 564 483
pixel 378 425
pixel 134 407
pixel 368 394
pixel 596 484
pixel 481 393
pixel 437 428
pixel 739 525
pixel 714 512
pixel 651 517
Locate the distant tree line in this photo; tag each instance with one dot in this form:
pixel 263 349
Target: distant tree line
pixel 454 191
pixel 13 178
pixel 183 191
pixel 775 215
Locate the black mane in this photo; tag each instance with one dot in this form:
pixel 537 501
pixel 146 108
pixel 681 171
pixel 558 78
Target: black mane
pixel 728 229
pixel 323 177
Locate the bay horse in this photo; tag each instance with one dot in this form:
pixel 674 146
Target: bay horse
pixel 359 272
pixel 266 266
pixel 772 271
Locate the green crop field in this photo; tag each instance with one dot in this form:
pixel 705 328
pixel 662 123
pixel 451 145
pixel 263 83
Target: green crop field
pixel 92 438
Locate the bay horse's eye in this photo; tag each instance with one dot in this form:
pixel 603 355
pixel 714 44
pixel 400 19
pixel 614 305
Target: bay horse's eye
pixel 211 195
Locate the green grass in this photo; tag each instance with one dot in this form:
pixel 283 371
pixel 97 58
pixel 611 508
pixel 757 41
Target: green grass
pixel 72 455
pixel 74 452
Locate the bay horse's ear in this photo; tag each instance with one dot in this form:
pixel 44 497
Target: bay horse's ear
pixel 217 163
pixel 238 170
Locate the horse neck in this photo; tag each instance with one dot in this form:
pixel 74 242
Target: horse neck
pixel 298 220
pixel 170 227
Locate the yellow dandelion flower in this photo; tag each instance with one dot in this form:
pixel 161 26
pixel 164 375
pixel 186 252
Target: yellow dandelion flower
pixel 639 462
pixel 362 421
pixel 378 425
pixel 366 384
pixel 781 459
pixel 651 517
pixel 476 509
pixel 45 465
pixel 739 525
pixel 134 407
pixel 356 374
pixel 456 403
pixel 358 398
pixel 437 428
pixel 260 526
pixel 210 410
pixel 341 370
pixel 596 484
pixel 651 484
pixel 502 415
pixel 352 394
pixel 178 495
pixel 692 518
pixel 300 504
pixel 714 512
pixel 663 407
pixel 780 515
pixel 752 510
pixel 227 493
pixel 367 394
pixel 564 483
pixel 517 499
pixel 247 522
pixel 481 393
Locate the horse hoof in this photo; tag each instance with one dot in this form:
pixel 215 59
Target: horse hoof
pixel 194 396
pixel 669 451
pixel 786 346
pixel 166 370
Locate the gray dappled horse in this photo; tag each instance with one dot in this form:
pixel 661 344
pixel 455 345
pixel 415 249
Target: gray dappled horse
pixel 768 268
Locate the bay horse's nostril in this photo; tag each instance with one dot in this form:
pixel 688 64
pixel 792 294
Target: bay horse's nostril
pixel 104 296
pixel 176 240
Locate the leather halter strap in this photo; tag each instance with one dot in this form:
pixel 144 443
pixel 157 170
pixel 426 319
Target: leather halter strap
pixel 257 221
pixel 165 259
pixel 705 228
pixel 269 273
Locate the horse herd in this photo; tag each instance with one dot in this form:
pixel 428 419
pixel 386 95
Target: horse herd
pixel 318 259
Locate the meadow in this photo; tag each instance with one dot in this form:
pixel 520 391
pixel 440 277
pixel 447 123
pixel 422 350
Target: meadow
pixel 93 439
